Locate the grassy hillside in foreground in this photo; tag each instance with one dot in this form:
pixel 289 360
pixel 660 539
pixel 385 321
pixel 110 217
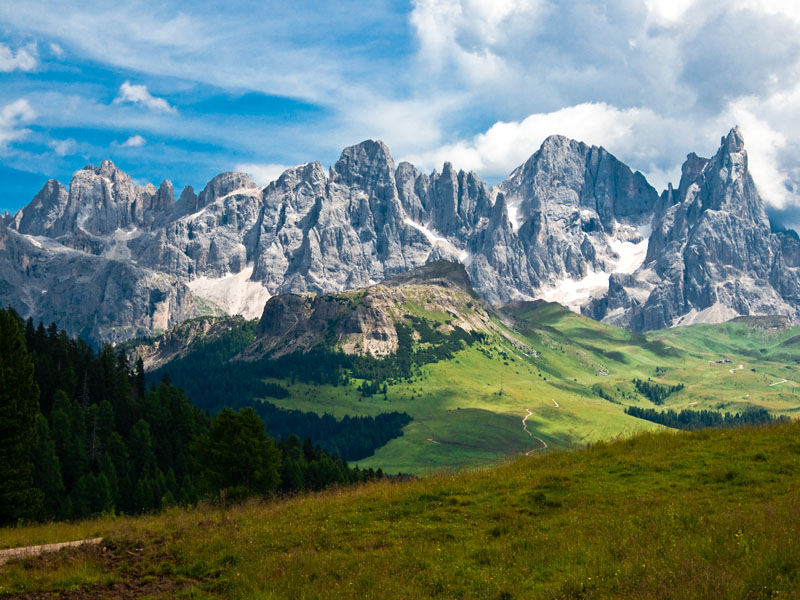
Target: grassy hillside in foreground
pixel 662 515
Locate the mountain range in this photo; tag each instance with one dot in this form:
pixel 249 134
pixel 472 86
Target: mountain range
pixel 111 260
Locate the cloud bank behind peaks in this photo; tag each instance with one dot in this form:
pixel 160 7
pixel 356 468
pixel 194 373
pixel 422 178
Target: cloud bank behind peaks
pixel 637 134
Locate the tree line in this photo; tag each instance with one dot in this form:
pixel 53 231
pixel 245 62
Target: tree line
pixel 655 392
pixel 212 383
pixel 688 419
pixel 82 434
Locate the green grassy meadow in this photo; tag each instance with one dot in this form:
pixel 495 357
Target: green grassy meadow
pixel 707 514
pixel 468 411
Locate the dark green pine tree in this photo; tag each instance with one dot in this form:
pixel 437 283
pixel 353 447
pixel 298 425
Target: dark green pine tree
pixel 70 439
pixel 99 494
pixel 108 469
pixel 238 456
pixel 140 386
pixel 19 405
pixel 47 470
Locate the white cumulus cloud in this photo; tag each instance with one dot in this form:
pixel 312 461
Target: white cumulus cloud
pixel 135 141
pixel 24 59
pixel 57 50
pixel 667 11
pixel 139 94
pixel 471 34
pixel 12 117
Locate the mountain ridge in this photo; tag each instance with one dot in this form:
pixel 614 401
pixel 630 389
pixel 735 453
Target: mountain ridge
pixel 571 224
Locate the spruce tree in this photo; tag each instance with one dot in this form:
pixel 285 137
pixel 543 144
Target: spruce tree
pixel 47 470
pixel 238 456
pixel 139 379
pixel 19 405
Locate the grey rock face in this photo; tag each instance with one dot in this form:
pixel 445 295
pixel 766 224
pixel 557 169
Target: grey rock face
pixel 45 209
pixel 327 232
pixel 207 235
pixel 91 296
pixel 294 322
pixel 571 224
pixel 560 215
pixel 101 203
pixel 711 255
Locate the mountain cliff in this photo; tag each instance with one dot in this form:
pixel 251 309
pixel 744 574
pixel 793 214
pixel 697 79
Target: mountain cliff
pixel 711 256
pixel 572 224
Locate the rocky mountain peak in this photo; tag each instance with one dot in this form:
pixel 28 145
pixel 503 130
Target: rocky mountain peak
pixel 448 170
pixel 365 165
pixel 109 169
pixel 499 216
pixel 311 172
pixel 44 210
pixel 725 183
pixel 734 141
pixel 187 202
pixel 711 255
pixel 690 170
pixel 565 176
pixel 222 185
pixel 558 144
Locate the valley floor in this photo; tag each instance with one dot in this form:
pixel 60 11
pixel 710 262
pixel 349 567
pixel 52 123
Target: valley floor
pixel 661 515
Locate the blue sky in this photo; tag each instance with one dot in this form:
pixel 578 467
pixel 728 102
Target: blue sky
pixel 185 91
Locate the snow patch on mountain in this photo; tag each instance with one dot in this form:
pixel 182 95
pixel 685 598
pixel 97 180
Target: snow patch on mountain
pixel 573 294
pixel 233 294
pixel 513 214
pixel 242 191
pixel 628 243
pixel 436 239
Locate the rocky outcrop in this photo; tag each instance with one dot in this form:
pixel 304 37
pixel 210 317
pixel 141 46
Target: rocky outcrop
pixel 573 224
pixel 100 201
pixel 357 323
pixel 365 321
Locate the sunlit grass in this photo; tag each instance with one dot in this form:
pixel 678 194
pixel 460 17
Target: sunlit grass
pixel 709 514
pixel 461 418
